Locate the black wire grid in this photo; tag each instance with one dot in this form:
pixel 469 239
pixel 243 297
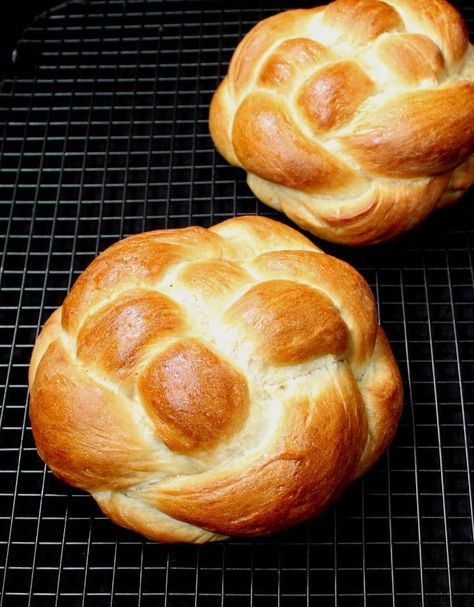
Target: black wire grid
pixel 104 115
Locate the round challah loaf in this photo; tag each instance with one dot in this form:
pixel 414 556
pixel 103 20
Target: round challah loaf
pixel 356 119
pixel 207 383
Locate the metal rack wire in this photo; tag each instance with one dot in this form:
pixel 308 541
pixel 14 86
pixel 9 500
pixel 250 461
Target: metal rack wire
pixel 104 119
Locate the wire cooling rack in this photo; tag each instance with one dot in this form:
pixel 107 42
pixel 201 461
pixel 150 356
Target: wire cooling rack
pixel 104 119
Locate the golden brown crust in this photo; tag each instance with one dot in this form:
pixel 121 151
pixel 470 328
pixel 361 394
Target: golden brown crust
pixel 263 122
pixel 460 180
pixel 349 293
pixel 384 211
pixel 238 390
pixel 249 237
pixel 194 398
pixel 264 314
pixel 332 95
pixel 50 332
pixel 351 117
pixel 293 480
pixel 398 138
pixel 82 428
pixel 361 20
pixel 381 389
pixel 216 280
pixel 143 260
pixel 219 125
pixel 117 336
pixel 438 20
pixel 262 37
pixel 291 57
pixel 411 58
pixel 139 516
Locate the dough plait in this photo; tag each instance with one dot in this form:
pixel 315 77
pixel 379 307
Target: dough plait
pixel 203 383
pixel 355 119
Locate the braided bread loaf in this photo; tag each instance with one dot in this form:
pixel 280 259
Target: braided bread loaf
pixel 206 383
pixel 356 119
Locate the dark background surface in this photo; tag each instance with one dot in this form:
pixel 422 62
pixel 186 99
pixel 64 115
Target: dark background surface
pixel 104 134
pixel 16 19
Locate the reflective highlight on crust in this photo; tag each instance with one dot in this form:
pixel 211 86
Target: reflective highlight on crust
pixel 384 147
pixel 117 336
pixel 194 398
pixel 332 95
pixel 263 123
pixel 290 322
pixel 362 20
